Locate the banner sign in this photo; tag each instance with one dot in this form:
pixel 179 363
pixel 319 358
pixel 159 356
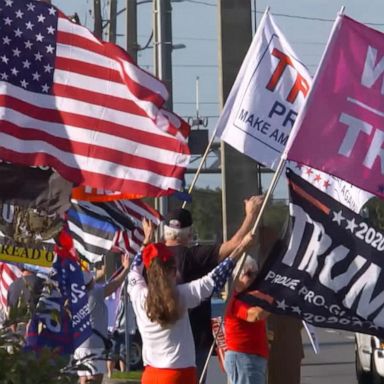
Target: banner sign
pixel 266 97
pixel 62 316
pixel 330 272
pixel 341 128
pixel 342 191
pixel 219 337
pixel 19 254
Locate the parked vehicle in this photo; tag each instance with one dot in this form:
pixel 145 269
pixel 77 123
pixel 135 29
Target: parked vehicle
pixel 369 359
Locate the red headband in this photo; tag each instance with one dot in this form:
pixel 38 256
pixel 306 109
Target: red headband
pixel 153 250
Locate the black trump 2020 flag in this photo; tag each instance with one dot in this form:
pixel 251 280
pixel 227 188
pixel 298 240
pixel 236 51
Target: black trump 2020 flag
pixel 329 272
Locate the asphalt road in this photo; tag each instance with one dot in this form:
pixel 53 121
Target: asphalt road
pixel 335 362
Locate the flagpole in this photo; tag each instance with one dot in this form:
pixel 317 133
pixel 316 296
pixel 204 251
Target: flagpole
pixel 271 188
pixel 197 174
pixel 198 171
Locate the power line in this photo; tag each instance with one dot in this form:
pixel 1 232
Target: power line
pixel 209 117
pixel 284 14
pixel 194 102
pixel 201 2
pixel 312 18
pixel 185 65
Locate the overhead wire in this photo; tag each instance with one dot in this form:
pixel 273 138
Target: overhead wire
pixel 284 14
pixel 312 18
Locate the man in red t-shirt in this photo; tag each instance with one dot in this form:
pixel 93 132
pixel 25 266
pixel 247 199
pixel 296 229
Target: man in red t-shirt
pixel 245 334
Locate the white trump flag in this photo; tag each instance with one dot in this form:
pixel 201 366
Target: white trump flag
pixel 266 97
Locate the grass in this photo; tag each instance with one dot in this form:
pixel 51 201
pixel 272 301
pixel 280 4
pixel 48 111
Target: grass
pixel 132 375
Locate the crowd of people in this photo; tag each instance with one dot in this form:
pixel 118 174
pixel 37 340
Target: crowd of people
pixel 170 285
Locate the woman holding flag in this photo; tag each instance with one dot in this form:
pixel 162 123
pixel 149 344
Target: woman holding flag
pixel 161 309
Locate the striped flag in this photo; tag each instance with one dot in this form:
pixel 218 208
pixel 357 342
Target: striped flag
pixel 81 106
pixel 8 274
pixel 131 239
pixel 97 227
pixel 92 230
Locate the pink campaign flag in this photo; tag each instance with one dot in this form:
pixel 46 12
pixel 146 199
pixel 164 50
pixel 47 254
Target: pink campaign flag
pixel 341 128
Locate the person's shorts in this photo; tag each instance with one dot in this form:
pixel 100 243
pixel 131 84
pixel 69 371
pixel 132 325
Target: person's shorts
pixel 92 358
pixel 117 351
pixel 153 375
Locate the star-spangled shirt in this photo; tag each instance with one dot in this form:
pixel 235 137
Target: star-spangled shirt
pixel 28 44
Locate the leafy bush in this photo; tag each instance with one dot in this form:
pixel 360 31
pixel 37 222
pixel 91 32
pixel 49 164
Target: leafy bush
pixel 21 367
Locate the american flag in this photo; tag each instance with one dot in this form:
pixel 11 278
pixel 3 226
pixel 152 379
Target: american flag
pixel 8 274
pixel 82 106
pixel 131 239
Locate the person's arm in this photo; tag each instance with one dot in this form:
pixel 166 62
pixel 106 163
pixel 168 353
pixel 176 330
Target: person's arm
pixel 200 289
pixel 100 274
pixel 256 313
pixel 136 281
pixel 111 287
pixel 148 229
pixel 252 208
pixel 118 280
pixel 243 311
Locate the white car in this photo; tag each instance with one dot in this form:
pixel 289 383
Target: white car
pixel 369 351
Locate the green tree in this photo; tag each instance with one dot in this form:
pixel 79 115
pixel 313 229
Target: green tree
pixel 207 214
pixel 19 366
pixel 374 211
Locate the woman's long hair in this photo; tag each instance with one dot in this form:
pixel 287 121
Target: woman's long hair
pixel 162 300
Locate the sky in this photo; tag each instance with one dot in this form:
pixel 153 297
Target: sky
pixel 305 23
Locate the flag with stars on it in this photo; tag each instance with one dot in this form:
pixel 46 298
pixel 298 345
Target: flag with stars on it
pixel 342 191
pixel 329 268
pixel 82 107
pixel 62 317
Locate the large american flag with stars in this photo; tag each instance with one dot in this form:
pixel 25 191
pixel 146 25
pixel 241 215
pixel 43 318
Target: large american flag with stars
pixel 82 106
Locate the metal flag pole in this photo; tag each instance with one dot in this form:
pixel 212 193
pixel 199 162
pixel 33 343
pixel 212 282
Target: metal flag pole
pixel 197 174
pixel 126 326
pixel 255 227
pixel 203 159
pixel 207 149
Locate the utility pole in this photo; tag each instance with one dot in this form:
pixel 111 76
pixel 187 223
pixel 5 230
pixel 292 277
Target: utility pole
pixel 239 172
pixel 131 31
pixel 112 20
pixel 98 23
pixel 162 33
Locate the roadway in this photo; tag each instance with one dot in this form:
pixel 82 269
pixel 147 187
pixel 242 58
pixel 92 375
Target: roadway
pixel 335 362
